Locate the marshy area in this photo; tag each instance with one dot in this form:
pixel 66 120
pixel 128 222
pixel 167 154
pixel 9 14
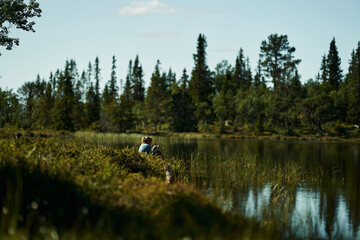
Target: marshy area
pixel 87 185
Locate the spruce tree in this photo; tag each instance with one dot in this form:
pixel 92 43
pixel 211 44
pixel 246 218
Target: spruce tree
pixel 105 125
pixel 324 71
pixel 200 85
pixel 64 102
pixel 78 109
pixel 89 106
pixel 239 74
pixel 97 98
pixel 334 67
pixel 138 81
pixel 46 105
pixel 126 117
pixel 248 75
pixel 9 108
pixel 27 99
pixel 113 89
pixel 353 87
pixel 182 108
pixel 156 98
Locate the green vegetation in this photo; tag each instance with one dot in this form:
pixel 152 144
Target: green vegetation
pixel 230 100
pixel 16 14
pixel 57 187
pixel 242 171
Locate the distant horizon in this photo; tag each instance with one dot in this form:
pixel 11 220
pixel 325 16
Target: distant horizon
pixel 168 31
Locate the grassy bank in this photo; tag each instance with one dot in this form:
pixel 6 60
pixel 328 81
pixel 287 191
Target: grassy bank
pixel 265 136
pixel 58 188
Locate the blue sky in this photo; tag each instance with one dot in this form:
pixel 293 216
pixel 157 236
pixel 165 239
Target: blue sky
pixel 168 30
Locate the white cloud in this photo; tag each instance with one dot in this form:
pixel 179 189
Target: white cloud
pixel 137 8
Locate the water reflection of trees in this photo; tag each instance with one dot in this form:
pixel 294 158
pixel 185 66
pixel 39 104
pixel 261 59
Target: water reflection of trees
pixel 339 179
pixel 330 195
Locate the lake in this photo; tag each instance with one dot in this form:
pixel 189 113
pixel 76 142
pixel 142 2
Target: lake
pixel 324 204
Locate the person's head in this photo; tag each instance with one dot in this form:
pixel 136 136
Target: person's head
pixel 146 140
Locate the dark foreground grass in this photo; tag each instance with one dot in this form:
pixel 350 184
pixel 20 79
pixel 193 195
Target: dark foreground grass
pixel 56 188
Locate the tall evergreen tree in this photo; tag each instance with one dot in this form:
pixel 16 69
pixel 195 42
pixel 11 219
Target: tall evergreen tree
pixel 200 84
pixel 239 74
pixel 157 98
pixel 138 81
pixel 97 98
pixel 64 101
pixel 113 89
pixel 324 71
pixel 78 109
pixel 90 106
pixel 353 86
pixel 9 108
pixel 334 67
pixel 182 108
pixel 277 60
pixel 46 105
pixel 126 117
pixel 27 94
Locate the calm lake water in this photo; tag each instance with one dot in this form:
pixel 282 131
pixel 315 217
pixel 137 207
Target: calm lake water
pixel 327 210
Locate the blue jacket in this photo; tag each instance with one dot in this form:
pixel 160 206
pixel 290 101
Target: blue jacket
pixel 146 148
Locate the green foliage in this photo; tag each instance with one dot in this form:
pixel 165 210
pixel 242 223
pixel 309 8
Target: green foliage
pixel 16 13
pixel 157 98
pixel 353 87
pixel 9 108
pixel 137 81
pixel 203 103
pixel 200 84
pixel 64 102
pixel 277 60
pixel 182 108
pixel 333 63
pixel 61 188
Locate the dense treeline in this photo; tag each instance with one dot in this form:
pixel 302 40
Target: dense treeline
pixel 231 98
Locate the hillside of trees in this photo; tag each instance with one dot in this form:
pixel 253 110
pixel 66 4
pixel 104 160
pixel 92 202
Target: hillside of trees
pixel 230 98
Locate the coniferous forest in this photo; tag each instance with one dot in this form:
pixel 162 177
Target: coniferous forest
pixel 230 98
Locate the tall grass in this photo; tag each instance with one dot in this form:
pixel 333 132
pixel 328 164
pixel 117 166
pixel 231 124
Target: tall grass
pixel 58 188
pixel 241 171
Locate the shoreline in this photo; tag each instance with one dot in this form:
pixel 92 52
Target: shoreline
pixel 195 135
pixel 271 137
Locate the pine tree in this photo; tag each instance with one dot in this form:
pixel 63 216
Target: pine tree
pixel 27 100
pixel 277 60
pixel 9 108
pixel 239 74
pixel 78 109
pixel 138 81
pixel 182 108
pixel 353 87
pixel 156 98
pixel 200 85
pixel 105 125
pixel 248 75
pixel 334 67
pixel 97 98
pixel 126 117
pixel 324 71
pixel 84 85
pixel 89 106
pixel 64 102
pixel 46 105
pixel 258 76
pixel 113 89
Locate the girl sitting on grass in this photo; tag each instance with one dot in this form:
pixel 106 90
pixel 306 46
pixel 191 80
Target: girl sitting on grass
pixel 146 147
